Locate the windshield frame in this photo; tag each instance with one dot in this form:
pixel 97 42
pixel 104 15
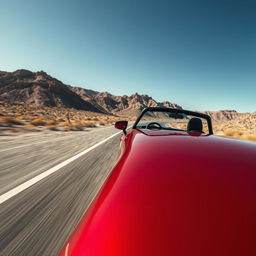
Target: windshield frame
pixel 175 111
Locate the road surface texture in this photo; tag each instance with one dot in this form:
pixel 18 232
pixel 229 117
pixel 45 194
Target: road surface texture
pixel 39 219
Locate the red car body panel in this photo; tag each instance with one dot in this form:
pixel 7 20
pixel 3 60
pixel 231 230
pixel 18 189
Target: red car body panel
pixel 173 193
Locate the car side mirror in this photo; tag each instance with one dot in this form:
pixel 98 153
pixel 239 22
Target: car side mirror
pixel 121 125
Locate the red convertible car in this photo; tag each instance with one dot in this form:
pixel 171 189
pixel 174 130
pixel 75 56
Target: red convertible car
pixel 176 190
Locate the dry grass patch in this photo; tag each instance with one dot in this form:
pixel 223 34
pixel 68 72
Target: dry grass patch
pixel 52 118
pixel 239 134
pixel 89 124
pixel 52 127
pixel 40 121
pixel 77 128
pixel 30 127
pixel 233 133
pixel 71 127
pixel 52 122
pixel 77 125
pixel 9 121
pixel 249 137
pixel 15 130
pixel 94 119
pixel 65 123
pixel 60 119
pixel 103 123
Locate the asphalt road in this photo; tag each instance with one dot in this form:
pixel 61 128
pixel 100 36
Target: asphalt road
pixel 39 219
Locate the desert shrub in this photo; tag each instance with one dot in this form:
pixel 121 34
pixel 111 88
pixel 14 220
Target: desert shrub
pixel 249 137
pixel 52 127
pixel 30 127
pixel 239 134
pixel 39 121
pixel 60 120
pixel 52 122
pixel 103 122
pixel 71 126
pixel 28 117
pixel 233 133
pixel 76 128
pixel 94 119
pixel 2 122
pixel 9 121
pixel 14 130
pixel 89 124
pixel 76 125
pixel 68 128
pixel 65 123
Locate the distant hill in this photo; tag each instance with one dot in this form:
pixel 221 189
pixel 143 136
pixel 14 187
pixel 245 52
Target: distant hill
pixel 40 89
pixel 223 115
pixel 121 105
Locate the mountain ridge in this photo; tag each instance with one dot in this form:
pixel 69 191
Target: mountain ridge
pixel 40 89
pixel 122 105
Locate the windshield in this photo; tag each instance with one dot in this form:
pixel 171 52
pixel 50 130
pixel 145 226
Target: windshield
pixel 169 120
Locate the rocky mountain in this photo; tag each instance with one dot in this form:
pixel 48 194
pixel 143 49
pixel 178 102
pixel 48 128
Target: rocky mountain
pixel 223 115
pixel 121 105
pixel 40 89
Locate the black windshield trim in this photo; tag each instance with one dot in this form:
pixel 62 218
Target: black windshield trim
pixel 176 111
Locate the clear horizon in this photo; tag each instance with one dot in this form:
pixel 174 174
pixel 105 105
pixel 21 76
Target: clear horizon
pixel 198 54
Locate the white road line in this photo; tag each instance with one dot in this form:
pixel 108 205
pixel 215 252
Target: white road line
pixel 4 197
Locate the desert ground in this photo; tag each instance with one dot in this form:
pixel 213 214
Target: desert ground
pixel 242 127
pixel 20 118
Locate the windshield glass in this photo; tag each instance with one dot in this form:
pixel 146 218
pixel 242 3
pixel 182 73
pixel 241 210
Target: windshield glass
pixel 168 120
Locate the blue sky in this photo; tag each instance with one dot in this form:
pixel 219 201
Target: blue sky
pixel 199 54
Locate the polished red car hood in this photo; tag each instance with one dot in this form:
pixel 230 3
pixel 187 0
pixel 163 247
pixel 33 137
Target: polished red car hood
pixel 177 195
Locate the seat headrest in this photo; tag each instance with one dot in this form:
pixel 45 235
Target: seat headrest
pixel 195 125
